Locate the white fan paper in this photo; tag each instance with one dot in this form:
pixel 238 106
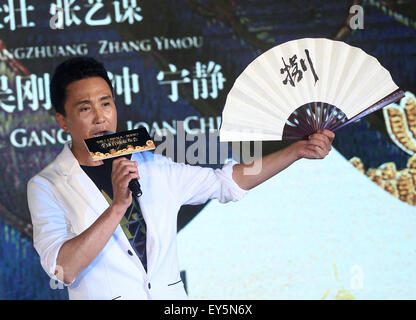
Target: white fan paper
pixel 301 86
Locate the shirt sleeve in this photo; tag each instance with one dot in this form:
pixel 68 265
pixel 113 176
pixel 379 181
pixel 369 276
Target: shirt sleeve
pixel 196 185
pixel 50 228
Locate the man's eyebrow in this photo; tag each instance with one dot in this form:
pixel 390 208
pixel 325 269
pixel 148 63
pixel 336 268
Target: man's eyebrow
pixel 88 101
pixel 105 97
pixel 82 102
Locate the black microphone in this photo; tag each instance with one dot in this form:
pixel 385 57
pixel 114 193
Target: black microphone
pixel 134 187
pixel 134 184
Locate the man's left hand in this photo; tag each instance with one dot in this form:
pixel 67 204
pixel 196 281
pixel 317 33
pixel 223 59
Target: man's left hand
pixel 316 147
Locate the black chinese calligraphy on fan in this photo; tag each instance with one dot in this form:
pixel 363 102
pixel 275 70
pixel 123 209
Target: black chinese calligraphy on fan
pixel 293 73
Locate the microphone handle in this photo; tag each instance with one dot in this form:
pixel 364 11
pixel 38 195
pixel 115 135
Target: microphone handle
pixel 135 188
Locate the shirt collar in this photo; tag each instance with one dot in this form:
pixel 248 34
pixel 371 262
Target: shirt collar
pixel 67 162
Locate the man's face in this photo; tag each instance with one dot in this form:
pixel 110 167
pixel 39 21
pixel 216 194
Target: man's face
pixel 90 110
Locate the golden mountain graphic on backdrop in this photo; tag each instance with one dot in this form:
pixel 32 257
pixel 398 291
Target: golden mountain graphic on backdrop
pixel 400 122
pixel 399 183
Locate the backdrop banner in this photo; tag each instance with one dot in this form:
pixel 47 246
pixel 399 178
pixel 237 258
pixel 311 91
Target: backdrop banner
pixel 172 64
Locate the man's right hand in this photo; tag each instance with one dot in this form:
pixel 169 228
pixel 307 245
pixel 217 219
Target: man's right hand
pixel 123 171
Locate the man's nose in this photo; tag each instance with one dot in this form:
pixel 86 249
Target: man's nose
pixel 98 114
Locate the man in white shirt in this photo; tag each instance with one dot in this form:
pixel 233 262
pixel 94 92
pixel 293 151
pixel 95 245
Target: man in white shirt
pixel 82 209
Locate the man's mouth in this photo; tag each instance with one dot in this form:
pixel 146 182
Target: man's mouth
pixel 100 133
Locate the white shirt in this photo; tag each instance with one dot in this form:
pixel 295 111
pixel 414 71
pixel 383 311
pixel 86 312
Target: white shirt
pixel 64 201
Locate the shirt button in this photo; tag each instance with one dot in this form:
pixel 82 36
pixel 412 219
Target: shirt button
pixel 129 252
pixel 149 286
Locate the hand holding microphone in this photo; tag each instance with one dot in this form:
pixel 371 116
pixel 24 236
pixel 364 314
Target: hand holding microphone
pixel 134 184
pixel 111 148
pixel 123 173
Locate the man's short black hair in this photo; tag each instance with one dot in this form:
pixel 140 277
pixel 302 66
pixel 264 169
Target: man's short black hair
pixel 72 70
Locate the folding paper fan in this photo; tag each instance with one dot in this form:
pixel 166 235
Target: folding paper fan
pixel 302 86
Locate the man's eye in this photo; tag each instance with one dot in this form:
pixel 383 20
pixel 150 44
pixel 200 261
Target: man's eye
pixel 106 104
pixel 84 108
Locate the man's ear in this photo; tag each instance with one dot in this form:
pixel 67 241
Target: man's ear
pixel 60 118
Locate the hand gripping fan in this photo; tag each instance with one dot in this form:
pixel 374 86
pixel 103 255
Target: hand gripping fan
pixel 301 86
